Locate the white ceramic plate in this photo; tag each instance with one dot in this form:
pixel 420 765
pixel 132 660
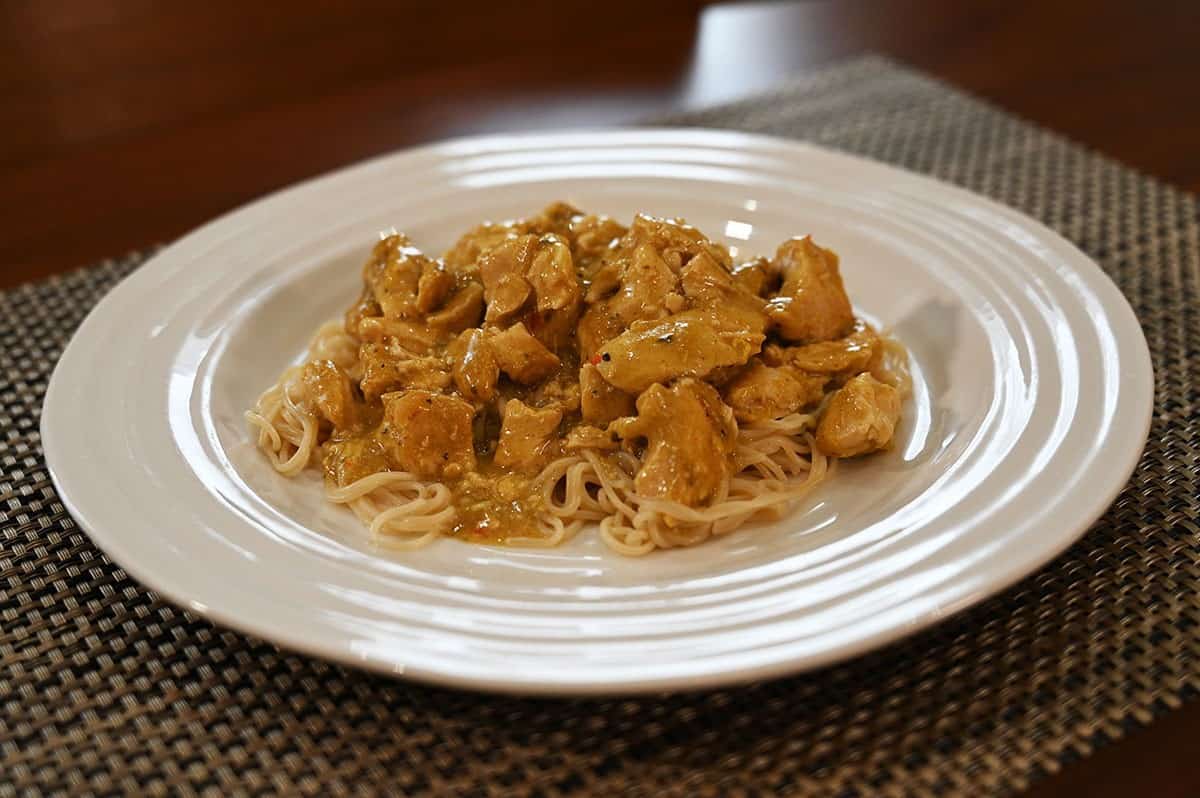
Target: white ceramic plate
pixel 1032 403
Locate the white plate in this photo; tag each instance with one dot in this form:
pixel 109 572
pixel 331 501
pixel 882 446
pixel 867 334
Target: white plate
pixel 1032 403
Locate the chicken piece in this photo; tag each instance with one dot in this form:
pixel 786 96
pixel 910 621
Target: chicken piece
pixel 692 343
pixel 394 274
pixel 556 218
pixel 674 240
pixel 757 276
pixel 591 238
pixel 502 271
pixel 690 435
pixel 597 326
pixel 474 366
pixel 561 391
pixel 555 329
pixel 431 433
pixel 521 356
pixel 600 402
pixel 411 337
pixel 860 418
pixel 604 281
pixel 812 304
pixel 647 285
pixel 583 436
pixel 463 310
pixel 528 436
pixel 764 392
pixel 331 391
pixel 350 459
pixel 433 286
pixel 552 275
pixel 843 357
pixel 709 285
pixel 464 255
pixel 386 369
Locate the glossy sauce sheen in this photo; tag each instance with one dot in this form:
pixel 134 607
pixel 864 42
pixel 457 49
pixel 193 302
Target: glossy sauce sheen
pixel 537 338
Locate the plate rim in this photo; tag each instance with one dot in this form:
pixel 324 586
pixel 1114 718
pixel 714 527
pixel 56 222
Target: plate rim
pixel 1139 372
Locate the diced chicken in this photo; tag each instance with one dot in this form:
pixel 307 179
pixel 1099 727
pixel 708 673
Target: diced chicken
pixel 331 391
pixel 556 218
pixel 591 238
pixel 605 281
pixel 394 274
pixel 528 436
pixel 351 459
pixel 597 326
pixel 555 329
pixel 474 368
pixel 409 336
pixel 385 369
pixel 552 275
pixel 812 304
pixel 431 433
pixel 600 402
pixel 843 357
pixel 433 286
pixel 521 356
pixel 502 271
pixel 709 285
pixel 463 256
pixel 583 436
pixel 674 240
pixel 561 391
pixel 647 284
pixel 463 310
pixel 689 434
pixel 757 276
pixel 764 392
pixel 692 343
pixel 860 418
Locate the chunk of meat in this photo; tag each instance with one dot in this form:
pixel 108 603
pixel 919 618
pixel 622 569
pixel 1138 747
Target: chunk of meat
pixel 464 255
pixel 330 390
pixel 387 369
pixel 583 436
pixel 351 459
pixel 812 304
pixel 600 402
pixel 604 281
pixel 394 274
pixel 692 343
pixel 647 285
pixel 709 285
pixel 757 276
pixel 674 240
pixel 433 286
pixel 410 337
pixel 860 418
pixel 502 271
pixel 690 435
pixel 463 310
pixel 431 433
pixel 528 436
pixel 521 356
pixel 843 357
pixel 561 391
pixel 764 392
pixel 598 325
pixel 474 366
pixel 592 237
pixel 552 275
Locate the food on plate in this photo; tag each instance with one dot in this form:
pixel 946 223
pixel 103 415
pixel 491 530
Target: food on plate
pixel 564 369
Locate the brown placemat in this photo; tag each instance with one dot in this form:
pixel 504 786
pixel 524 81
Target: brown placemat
pixel 104 688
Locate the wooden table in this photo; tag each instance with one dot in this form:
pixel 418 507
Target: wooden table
pixel 128 122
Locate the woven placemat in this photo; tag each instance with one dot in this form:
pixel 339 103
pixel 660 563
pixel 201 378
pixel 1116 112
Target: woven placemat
pixel 104 688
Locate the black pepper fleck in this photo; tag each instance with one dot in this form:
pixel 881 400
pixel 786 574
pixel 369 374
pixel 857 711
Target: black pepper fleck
pixel 606 357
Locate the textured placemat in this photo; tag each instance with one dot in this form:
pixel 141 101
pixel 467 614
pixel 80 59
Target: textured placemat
pixel 104 688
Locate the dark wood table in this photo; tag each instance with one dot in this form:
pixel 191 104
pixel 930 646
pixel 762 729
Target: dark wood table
pixel 127 122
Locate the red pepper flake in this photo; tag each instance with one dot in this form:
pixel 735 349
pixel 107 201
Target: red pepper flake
pixel 595 361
